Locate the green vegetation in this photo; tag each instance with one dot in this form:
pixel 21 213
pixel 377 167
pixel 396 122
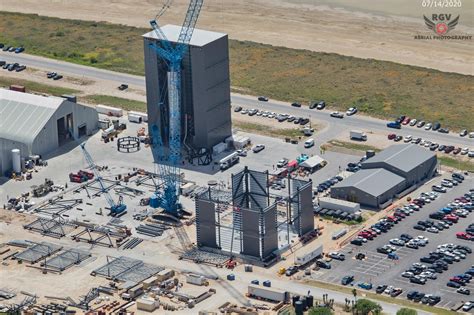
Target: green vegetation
pixel 37 87
pixel 382 298
pixel 406 311
pixel 267 130
pixel 365 307
pixel 378 88
pixel 456 163
pixel 97 44
pixel 349 145
pixel 320 311
pixel 124 103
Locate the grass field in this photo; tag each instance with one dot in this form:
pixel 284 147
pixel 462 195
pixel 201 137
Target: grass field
pixel 456 163
pixel 37 87
pixel 266 130
pixel 350 145
pixel 378 88
pixel 124 103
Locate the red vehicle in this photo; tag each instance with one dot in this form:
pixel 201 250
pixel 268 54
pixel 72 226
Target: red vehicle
pixel 457 151
pixel 400 215
pixel 393 219
pixel 89 175
pixel 366 235
pixel 464 236
pixel 457 279
pixel 418 202
pixel 451 217
pixel 392 136
pixel 406 121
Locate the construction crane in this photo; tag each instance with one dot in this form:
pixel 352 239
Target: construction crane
pixel 172 54
pixel 115 208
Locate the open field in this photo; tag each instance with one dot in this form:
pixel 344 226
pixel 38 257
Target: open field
pixel 267 130
pixel 364 29
pixel 120 102
pixel 456 163
pixel 349 145
pixel 37 87
pixel 378 88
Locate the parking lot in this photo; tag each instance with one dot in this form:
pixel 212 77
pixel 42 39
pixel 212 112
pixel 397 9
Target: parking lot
pixel 378 269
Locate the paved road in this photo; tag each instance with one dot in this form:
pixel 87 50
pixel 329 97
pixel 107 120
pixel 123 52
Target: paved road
pixel 335 125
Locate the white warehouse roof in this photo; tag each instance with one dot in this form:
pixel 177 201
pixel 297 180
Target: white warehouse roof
pixel 200 37
pixel 23 115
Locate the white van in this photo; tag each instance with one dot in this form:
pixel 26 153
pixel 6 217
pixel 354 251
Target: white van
pixel 309 143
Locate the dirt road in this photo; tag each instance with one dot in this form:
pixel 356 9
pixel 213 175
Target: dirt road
pixel 309 25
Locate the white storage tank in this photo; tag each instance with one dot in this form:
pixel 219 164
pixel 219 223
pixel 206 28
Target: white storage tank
pixel 16 160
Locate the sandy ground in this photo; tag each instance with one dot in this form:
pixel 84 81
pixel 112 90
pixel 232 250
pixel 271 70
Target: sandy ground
pixel 345 29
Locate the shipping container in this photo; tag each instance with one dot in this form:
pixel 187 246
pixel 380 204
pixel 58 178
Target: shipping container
pixel 134 118
pixel 109 110
pixel 306 258
pixel 144 116
pixel 17 88
pixel 269 294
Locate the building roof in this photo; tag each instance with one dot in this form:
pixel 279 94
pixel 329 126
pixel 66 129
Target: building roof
pixel 312 161
pixel 200 37
pixel 23 115
pixel 374 182
pixel 404 157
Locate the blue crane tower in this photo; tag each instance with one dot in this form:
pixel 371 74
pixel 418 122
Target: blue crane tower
pixel 115 208
pixel 169 159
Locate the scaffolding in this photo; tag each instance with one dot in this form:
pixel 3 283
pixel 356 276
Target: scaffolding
pixel 126 269
pixel 56 227
pixel 37 252
pixel 250 221
pixel 57 206
pixel 66 259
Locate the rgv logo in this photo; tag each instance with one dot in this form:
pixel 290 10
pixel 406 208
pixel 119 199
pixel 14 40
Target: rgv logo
pixel 440 27
pixel 441 24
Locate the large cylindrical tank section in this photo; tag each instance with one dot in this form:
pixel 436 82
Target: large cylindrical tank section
pixel 16 160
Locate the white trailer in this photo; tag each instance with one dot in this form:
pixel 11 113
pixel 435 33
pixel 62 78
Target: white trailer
pixel 358 135
pixel 196 279
pixel 269 294
pixel 306 258
pixel 229 161
pixel 144 116
pixel 134 118
pixel 109 110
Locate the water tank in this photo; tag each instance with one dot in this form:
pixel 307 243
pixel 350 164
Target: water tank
pixel 295 298
pixel 16 160
pixel 299 309
pixel 309 301
pixel 369 153
pixel 303 301
pixel 154 203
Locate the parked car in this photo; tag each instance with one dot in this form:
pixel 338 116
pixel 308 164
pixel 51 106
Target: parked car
pixel 57 77
pixel 398 138
pixel 263 99
pixel 258 148
pixel 463 133
pixel 282 163
pixel 413 122
pixel 443 130
pixel 391 136
pixel 321 105
pixel 19 50
pixel 296 104
pixel 428 126
pixel 351 111
pixel 123 87
pixel 436 126
pixel 347 280
pixel 420 124
pixel 337 115
pixel 238 109
pixel 394 124
pixel 323 264
pixel 337 256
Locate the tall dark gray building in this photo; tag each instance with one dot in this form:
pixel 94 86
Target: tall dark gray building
pixel 205 90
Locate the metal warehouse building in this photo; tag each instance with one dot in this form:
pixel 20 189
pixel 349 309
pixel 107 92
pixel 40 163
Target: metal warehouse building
pixel 205 92
pixel 372 188
pixel 387 175
pixel 410 161
pixel 37 125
